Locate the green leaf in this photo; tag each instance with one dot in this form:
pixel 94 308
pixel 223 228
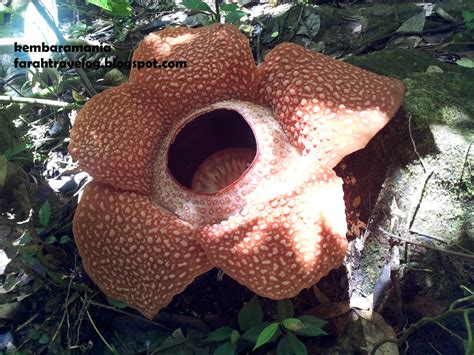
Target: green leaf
pixel 274 34
pixel 234 16
pixel 29 260
pixel 291 345
pixel 50 240
pixel 45 214
pixel 103 4
pixel 464 62
pixel 78 97
pixel 225 349
pixel 64 239
pixel 26 238
pixel 28 250
pixel 469 18
pixel 266 335
pixel 197 5
pixel 220 334
pixel 415 23
pixel 176 338
pixel 114 7
pixel 293 324
pixel 11 152
pixel 252 334
pixel 3 170
pixel 116 303
pixel 310 330
pixel 285 309
pixel 44 339
pixel 234 337
pixel 312 326
pixel 34 334
pixel 4 9
pixel 307 319
pixel 228 7
pixel 250 315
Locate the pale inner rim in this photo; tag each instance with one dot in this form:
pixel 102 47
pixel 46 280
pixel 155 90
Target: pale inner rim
pixel 203 137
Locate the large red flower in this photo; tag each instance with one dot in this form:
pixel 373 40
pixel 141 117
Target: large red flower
pixel 221 163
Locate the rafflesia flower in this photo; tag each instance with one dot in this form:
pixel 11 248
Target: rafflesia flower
pixel 221 163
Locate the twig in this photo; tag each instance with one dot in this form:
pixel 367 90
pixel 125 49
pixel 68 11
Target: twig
pixel 100 335
pixel 414 144
pixel 44 13
pixel 218 13
pixel 21 326
pixel 97 304
pixel 464 162
pixel 437 320
pixel 11 86
pixel 409 33
pixel 428 172
pixel 32 100
pixel 180 319
pixel 470 341
pixel 441 240
pixel 463 255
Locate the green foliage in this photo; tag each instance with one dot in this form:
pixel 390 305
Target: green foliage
pixel 469 18
pixel 250 315
pixel 220 334
pixel 225 349
pixel 285 309
pixel 14 153
pixel 197 5
pixel 292 324
pixel 464 62
pixel 118 304
pixel 78 29
pixel 45 214
pixel 231 12
pixel 257 333
pixel 266 335
pixel 114 7
pixel 3 170
pixel 289 344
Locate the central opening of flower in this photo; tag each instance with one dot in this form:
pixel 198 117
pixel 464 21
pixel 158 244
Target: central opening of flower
pixel 212 151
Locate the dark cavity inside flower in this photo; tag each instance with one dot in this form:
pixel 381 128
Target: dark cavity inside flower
pixel 212 151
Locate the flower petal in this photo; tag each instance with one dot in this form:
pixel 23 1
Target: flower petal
pixel 115 136
pixel 328 108
pixel 219 66
pixel 280 247
pixel 135 251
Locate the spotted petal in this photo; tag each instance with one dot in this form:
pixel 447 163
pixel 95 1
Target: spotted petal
pixel 219 66
pixel 327 108
pixel 278 248
pixel 115 136
pixel 135 251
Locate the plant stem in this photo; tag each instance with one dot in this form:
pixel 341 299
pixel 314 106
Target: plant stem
pixel 43 12
pixel 218 14
pixel 32 100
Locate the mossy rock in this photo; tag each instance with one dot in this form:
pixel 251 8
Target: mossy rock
pixel 440 101
pixel 443 96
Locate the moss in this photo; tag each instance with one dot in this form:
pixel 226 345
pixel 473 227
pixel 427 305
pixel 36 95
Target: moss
pixel 396 62
pixel 445 97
